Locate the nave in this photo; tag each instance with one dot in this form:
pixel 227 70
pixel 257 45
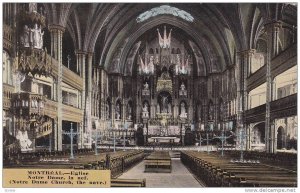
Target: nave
pixel 117 86
pixel 180 177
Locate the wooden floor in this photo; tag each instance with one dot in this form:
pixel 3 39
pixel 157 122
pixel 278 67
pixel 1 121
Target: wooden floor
pixel 179 178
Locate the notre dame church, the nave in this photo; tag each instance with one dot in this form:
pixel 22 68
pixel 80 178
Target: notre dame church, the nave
pixel 206 89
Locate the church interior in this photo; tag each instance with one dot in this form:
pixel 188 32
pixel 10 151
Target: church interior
pixel 208 90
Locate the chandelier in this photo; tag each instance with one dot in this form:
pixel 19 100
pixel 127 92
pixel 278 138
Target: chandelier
pixel 32 57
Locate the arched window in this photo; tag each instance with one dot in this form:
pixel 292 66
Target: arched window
pixel 178 51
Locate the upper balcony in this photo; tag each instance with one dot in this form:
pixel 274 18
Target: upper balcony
pixel 32 106
pixel 283 107
pixel 68 76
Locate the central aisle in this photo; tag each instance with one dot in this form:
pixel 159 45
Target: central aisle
pixel 179 178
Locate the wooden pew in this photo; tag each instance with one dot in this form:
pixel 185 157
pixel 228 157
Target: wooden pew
pixel 158 162
pixel 216 171
pixel 128 182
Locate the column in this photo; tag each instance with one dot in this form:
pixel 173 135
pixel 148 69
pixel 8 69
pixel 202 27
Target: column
pixel 272 30
pixel 123 111
pixel 244 63
pixel 89 105
pixel 81 57
pixel 80 137
pixel 113 107
pixel 56 32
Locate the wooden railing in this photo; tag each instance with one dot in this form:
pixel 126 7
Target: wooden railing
pixel 68 76
pixel 51 108
pixel 71 113
pixel 29 103
pixel 279 108
pixel 284 107
pixel 44 129
pixel 280 63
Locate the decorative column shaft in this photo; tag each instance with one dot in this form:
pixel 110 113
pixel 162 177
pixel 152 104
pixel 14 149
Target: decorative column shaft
pixel 56 51
pixel 89 105
pixel 245 62
pixel 272 30
pixel 81 57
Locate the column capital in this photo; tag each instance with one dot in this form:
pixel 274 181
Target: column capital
pixel 54 27
pixel 247 52
pixel 90 54
pixel 80 52
pixel 273 25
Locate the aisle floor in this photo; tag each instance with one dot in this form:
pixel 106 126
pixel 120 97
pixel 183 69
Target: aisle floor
pixel 180 177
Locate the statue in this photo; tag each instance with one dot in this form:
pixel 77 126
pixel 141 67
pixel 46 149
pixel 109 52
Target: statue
pixel 25 37
pixel 23 140
pixel 107 111
pixel 211 111
pixel 41 11
pixel 129 111
pixel 145 108
pixel 35 36
pixel 146 68
pixel 146 86
pixel 182 67
pixel 33 7
pixel 169 108
pixel 164 42
pixel 182 87
pixel 176 69
pixel 118 112
pixel 182 109
pixel 164 104
pixel 151 65
pixel 40 40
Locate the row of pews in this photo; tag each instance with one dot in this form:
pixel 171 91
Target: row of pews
pixel 282 159
pixel 216 171
pixel 137 183
pixel 121 161
pixel 158 161
pixel 118 162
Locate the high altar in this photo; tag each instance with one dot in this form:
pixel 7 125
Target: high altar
pixel 164 72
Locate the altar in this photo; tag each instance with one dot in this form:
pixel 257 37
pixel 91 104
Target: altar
pixel 163 140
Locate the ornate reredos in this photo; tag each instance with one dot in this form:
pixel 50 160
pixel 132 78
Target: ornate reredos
pixel 160 49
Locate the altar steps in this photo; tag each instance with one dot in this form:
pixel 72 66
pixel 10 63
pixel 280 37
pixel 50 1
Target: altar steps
pixel 174 154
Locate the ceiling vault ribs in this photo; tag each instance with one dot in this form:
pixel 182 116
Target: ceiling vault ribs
pixel 218 30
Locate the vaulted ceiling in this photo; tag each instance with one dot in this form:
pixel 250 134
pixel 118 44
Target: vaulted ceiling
pixel 216 33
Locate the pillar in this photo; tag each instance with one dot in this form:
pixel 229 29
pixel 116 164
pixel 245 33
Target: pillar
pixel 89 96
pixel 272 31
pixel 244 64
pixel 56 32
pixel 81 57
